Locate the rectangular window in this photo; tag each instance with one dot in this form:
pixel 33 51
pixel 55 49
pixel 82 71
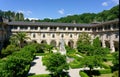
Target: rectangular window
pixel 61 28
pixel 78 28
pixel 43 28
pixel 53 28
pixel 33 27
pixel 70 28
pixel 23 27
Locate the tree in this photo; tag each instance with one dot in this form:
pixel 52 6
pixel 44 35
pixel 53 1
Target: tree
pixel 115 61
pixel 84 38
pixel 9 50
pixel 91 62
pixel 84 43
pixel 55 63
pixel 19 38
pixel 96 42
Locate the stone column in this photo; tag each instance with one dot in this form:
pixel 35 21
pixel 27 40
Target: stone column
pixel 112 43
pixel 103 41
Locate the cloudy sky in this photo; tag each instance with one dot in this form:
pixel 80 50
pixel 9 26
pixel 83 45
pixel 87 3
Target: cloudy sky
pixel 56 8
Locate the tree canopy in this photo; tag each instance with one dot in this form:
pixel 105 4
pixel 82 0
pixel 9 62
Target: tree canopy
pixel 55 63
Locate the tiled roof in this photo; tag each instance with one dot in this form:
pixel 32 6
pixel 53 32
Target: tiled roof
pixel 47 24
pixel 23 23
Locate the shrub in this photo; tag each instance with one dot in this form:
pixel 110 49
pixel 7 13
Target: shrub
pixel 75 64
pixel 115 74
pixel 17 64
pixel 105 66
pixel 83 74
pixel 41 75
pixel 9 50
pixel 105 71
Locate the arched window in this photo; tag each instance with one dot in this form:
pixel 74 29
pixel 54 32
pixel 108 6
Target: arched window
pixel 62 35
pixel 34 35
pixel 53 35
pixel 71 36
pixel 43 35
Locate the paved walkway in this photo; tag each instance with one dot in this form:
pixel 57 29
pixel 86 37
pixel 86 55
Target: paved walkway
pixel 38 68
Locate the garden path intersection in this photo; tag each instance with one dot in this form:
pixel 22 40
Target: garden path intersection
pixel 38 68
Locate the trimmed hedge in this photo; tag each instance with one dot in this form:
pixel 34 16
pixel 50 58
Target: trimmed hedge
pixel 41 75
pixel 98 72
pixel 105 66
pixel 83 74
pixel 105 71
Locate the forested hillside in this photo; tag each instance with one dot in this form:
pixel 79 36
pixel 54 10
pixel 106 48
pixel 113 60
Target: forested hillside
pixel 12 16
pixel 105 15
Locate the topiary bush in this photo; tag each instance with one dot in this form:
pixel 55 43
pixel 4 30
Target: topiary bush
pixel 41 75
pixel 83 74
pixel 105 71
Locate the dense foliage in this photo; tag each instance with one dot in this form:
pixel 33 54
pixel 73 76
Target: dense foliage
pixel 11 16
pixel 19 39
pixel 9 50
pixel 17 64
pixel 115 61
pixel 105 15
pixel 55 63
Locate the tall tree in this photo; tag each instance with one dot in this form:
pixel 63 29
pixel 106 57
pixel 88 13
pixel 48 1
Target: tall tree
pixel 55 63
pixel 96 42
pixel 91 62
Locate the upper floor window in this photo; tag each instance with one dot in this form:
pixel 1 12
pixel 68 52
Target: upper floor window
pixel 53 28
pixel 94 28
pixel 61 28
pixel 43 28
pixel 70 28
pixel 33 27
pixel 78 28
pixel 43 35
pixel 23 27
pixel 13 27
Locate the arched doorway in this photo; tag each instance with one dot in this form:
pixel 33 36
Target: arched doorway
pixel 116 45
pixel 43 42
pixel 107 43
pixel 70 43
pixel 53 43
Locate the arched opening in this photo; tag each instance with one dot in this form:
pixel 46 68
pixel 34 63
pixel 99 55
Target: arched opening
pixel 107 44
pixel 43 42
pixel 34 41
pixel 116 45
pixel 101 43
pixel 70 43
pixel 53 43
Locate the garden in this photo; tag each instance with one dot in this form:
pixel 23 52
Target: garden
pixel 16 57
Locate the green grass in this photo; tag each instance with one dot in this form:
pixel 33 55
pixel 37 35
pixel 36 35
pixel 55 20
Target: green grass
pixel 104 75
pixel 41 75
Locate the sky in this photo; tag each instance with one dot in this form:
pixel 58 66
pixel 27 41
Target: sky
pixel 53 9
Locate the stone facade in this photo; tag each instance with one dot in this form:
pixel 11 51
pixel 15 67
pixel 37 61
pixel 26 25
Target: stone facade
pixel 51 33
